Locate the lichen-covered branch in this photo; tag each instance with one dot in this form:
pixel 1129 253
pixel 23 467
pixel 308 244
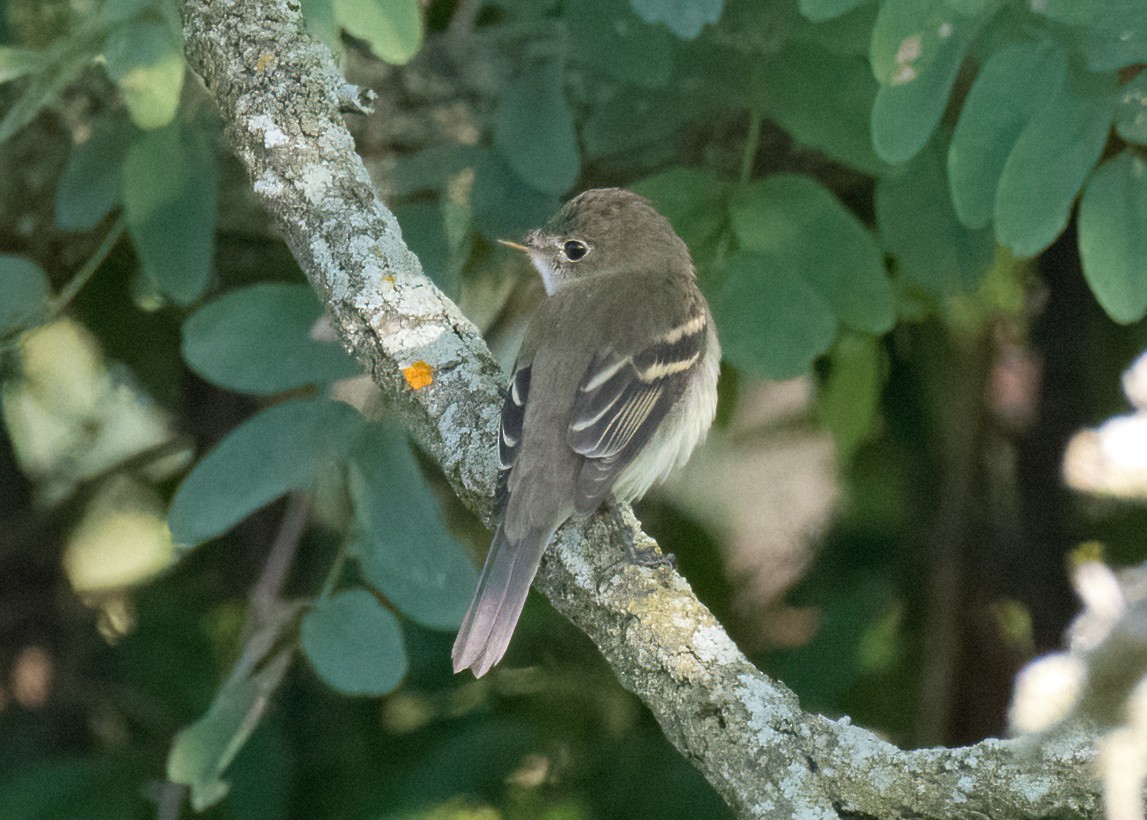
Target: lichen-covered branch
pixel 280 96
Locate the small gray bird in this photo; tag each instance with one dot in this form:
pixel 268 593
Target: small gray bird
pixel 614 386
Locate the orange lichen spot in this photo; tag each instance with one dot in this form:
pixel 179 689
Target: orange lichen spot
pixel 265 59
pixel 418 375
pixel 390 280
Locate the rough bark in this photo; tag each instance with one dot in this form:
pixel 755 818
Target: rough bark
pixel 281 99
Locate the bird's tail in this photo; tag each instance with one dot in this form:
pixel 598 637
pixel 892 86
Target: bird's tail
pixel 510 569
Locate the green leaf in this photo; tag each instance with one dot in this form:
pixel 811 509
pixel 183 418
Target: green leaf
pixel 849 397
pixel 319 18
pixel 258 340
pixel 1013 86
pixel 37 787
pixel 773 323
pixel 204 750
pixel 609 36
pixel 908 108
pixel 1113 236
pixel 1118 47
pixel 354 644
pixel 503 204
pixel 276 451
pixel 18 62
pixel 392 28
pixel 144 59
pixel 631 119
pixel 1051 159
pixel 839 123
pixel 802 228
pixel 63 62
pixel 909 35
pixel 919 226
pixel 24 294
pixel 404 549
pixel 169 201
pixel 1099 13
pixel 534 130
pixel 1131 110
pixel 693 200
pixel 820 10
pixel 92 181
pixel 685 18
pixel 424 231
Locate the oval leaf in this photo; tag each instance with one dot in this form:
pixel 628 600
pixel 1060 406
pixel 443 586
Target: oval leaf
pixel 354 644
pixel 92 180
pixel 534 130
pixel 1113 236
pixel 907 111
pixel 685 18
pixel 607 34
pixel 405 550
pixel 799 225
pixel 169 202
pixel 145 60
pixel 392 28
pixel 919 226
pixel 276 451
pixel 258 340
pixel 693 200
pixel 24 294
pixel 1012 87
pixel 773 323
pixel 1050 162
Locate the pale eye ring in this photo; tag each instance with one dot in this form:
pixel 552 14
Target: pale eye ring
pixel 574 249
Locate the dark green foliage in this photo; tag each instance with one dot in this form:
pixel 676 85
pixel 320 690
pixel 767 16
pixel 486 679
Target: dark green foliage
pixel 869 189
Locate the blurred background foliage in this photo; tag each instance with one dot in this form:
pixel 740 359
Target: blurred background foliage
pixel 923 228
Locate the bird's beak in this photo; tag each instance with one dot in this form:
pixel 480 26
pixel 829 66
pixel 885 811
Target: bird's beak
pixel 515 245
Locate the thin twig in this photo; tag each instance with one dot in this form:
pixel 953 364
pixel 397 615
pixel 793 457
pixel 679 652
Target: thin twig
pixel 85 273
pixel 269 585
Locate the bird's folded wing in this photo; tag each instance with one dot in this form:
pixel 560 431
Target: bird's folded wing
pixel 623 399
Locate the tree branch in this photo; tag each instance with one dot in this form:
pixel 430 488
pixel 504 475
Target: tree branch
pixel 279 93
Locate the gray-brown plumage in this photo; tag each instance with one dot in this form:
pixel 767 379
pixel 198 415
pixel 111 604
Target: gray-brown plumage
pixel 614 386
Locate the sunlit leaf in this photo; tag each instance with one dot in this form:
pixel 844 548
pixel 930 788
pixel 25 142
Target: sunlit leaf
pixel 800 226
pixel 1113 236
pixel 1013 86
pixel 279 450
pixel 17 62
pixel 145 60
pixel 354 644
pixel 1050 162
pixel 392 28
pixel 534 130
pixel 24 294
pixel 685 18
pixel 92 181
pixel 773 323
pixel 404 549
pixel 203 751
pixel 169 200
pixel 918 225
pixel 258 340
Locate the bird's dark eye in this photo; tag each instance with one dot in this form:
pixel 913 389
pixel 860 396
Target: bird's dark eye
pixel 574 250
